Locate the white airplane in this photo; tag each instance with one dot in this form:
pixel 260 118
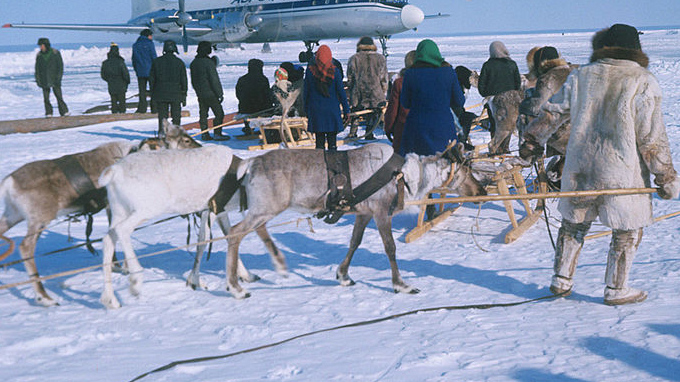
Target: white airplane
pixel 225 22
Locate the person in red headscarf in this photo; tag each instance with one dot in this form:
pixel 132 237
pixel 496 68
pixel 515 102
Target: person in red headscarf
pixel 324 94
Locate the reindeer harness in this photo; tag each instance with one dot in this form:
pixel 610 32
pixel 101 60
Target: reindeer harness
pixel 342 197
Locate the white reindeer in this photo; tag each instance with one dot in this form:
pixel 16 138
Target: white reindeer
pixel 297 179
pixel 149 184
pixel 40 191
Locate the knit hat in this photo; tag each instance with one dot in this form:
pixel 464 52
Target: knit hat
pixel 428 52
pixel 544 54
pixel 281 74
pixel 622 36
pixel 498 50
pixel 169 47
pixel 113 49
pixel 146 33
pixel 366 43
pixel 204 48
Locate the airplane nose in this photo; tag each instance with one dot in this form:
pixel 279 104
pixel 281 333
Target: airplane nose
pixel 411 16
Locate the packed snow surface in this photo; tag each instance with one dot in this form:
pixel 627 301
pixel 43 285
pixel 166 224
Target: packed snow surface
pixel 461 262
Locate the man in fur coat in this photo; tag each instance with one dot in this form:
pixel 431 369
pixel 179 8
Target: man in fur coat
pixel 367 83
pixel 618 139
pixel 543 127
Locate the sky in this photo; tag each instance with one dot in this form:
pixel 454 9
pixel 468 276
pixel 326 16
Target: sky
pixel 467 16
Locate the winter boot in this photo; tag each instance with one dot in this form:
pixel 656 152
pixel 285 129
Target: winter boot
pixel 569 243
pixel 619 261
pixel 219 136
pixel 206 136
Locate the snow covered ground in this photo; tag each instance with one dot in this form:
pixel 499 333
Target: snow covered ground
pixel 570 339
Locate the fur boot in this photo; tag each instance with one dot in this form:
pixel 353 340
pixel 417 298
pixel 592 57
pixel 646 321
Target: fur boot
pixel 569 243
pixel 619 261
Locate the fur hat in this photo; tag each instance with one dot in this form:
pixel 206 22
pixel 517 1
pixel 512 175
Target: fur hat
pixel 146 33
pixel 544 54
pixel 169 47
pixel 530 58
pixel 463 75
pixel 366 43
pixel 204 48
pixel 618 35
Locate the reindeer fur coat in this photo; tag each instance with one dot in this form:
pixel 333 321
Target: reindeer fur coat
pixel 617 140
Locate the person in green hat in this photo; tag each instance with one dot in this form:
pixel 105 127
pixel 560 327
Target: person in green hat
pixel 430 88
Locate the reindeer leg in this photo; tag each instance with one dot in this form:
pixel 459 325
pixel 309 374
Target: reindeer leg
pixel 232 262
pixel 277 257
pixel 124 232
pixel 243 273
pixel 342 273
pixel 108 298
pixel 384 223
pixel 27 251
pixel 194 276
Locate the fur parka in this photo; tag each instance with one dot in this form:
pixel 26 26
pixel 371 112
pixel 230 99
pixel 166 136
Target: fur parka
pixel 366 79
pixel 545 128
pixel 618 138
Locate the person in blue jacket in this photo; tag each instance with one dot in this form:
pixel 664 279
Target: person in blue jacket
pixel 143 54
pixel 324 94
pixel 430 89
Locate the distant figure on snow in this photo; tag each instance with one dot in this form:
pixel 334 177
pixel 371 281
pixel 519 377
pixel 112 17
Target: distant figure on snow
pixel 143 54
pixel 208 89
pixel 116 74
pixel 253 92
pixel 49 69
pixel 168 81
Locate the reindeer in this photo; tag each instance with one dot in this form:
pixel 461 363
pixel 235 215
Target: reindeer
pixel 146 185
pixel 297 179
pixel 40 191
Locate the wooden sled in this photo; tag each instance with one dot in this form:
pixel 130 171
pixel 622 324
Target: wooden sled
pixel 34 125
pixel 503 183
pixel 293 130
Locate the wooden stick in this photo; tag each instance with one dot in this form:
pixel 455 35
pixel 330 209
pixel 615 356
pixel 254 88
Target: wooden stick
pixel 656 220
pixel 545 195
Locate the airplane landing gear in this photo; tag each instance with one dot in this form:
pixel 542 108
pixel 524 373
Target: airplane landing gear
pixel 308 55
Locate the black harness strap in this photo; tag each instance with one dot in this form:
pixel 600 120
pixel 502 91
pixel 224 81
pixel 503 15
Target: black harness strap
pixel 379 179
pixel 228 187
pixel 75 174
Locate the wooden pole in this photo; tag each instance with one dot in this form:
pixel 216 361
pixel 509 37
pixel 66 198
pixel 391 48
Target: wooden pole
pixel 656 220
pixel 544 195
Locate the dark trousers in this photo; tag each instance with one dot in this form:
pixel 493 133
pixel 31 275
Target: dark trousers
pixel 206 104
pixel 322 138
pixel 141 82
pixel 117 102
pixel 63 109
pixel 175 113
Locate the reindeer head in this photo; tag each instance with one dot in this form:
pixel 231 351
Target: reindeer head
pixel 177 138
pixel 462 179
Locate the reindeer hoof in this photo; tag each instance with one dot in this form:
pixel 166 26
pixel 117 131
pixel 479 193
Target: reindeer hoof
pixel 45 301
pixel 110 302
pixel 239 295
pixel 344 280
pixel 251 278
pixel 406 289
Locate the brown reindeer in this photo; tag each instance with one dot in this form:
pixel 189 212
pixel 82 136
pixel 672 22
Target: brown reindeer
pixel 40 191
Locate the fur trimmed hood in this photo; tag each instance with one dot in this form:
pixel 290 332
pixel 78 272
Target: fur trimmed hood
pixel 621 54
pixel 546 65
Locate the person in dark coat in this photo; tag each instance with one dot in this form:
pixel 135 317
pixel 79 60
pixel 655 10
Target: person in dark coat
pixel 49 68
pixel 116 74
pixel 395 115
pixel 208 89
pixel 429 91
pixel 500 79
pixel 324 94
pixel 465 118
pixel 253 91
pixel 143 54
pixel 168 81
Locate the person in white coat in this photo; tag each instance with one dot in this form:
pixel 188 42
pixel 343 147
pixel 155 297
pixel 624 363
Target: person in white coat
pixel 618 139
